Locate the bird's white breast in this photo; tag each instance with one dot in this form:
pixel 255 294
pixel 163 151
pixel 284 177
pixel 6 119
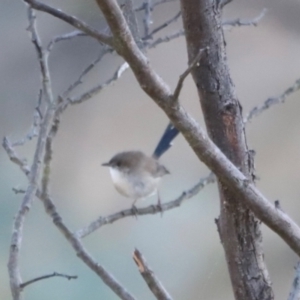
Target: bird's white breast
pixel 133 186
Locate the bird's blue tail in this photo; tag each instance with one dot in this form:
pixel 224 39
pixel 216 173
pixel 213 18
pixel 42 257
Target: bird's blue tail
pixel 166 141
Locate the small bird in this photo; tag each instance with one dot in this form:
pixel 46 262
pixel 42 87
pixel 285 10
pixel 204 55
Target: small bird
pixel 136 175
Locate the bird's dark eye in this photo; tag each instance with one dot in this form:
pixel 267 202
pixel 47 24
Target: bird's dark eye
pixel 118 164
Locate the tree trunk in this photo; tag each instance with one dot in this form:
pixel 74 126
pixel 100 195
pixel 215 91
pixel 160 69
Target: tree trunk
pixel 238 228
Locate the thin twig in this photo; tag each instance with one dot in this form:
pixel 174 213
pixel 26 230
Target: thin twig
pixel 182 77
pixel 238 22
pixel 18 190
pixel 55 274
pixel 151 209
pixel 86 71
pixel 295 289
pixel 83 254
pixel 257 110
pixel 162 26
pixel 166 39
pixel 13 156
pixel 35 171
pixel 152 281
pixel 222 3
pixel 154 4
pixel 147 20
pixel 90 93
pixel 75 22
pixel 65 37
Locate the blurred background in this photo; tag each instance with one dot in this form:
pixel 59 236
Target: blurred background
pixel 183 246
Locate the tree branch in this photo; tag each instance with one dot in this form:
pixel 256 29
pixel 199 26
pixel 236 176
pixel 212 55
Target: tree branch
pixel 153 283
pixel 162 26
pixel 55 274
pixel 151 209
pixel 83 254
pixel 92 92
pixel 295 289
pixel 238 22
pixel 35 170
pixel 182 77
pixel 257 110
pixel 80 25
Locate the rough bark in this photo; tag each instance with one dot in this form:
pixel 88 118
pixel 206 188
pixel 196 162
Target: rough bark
pixel 238 227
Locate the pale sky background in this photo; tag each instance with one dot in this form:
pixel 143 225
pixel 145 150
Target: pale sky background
pixel 182 247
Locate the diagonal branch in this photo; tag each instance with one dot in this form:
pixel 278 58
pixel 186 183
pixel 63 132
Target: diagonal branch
pixel 152 281
pixel 239 22
pixel 162 26
pixel 152 209
pixel 80 25
pixel 35 170
pixel 83 254
pixel 257 110
pixel 92 92
pixel 182 77
pixel 295 290
pixel 55 274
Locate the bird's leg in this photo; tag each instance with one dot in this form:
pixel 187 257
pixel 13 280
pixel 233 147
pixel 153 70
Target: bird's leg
pixel 134 209
pixel 159 204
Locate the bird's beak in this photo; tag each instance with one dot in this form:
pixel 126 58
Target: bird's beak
pixel 105 165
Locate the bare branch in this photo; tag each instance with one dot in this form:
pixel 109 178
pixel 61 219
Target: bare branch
pixel 162 26
pixel 64 37
pixel 295 289
pixel 257 110
pixel 147 16
pixel 18 190
pixel 35 171
pixel 166 39
pixel 182 77
pixel 42 57
pixel 238 22
pixel 89 68
pixel 152 209
pixel 80 25
pixel 142 7
pixel 13 156
pixel 55 274
pixel 153 283
pixel 82 253
pixel 92 92
pixel 222 3
pixel 131 19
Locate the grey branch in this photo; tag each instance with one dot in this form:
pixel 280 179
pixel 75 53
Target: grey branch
pixel 152 281
pixel 82 253
pixel 13 156
pixel 80 25
pixel 295 289
pixel 238 22
pixel 64 37
pixel 86 71
pixel 152 209
pixel 55 274
pixel 92 92
pixel 257 110
pixel 35 170
pixel 162 26
pixel 166 39
pixel 147 20
pixel 182 77
pixel 154 4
